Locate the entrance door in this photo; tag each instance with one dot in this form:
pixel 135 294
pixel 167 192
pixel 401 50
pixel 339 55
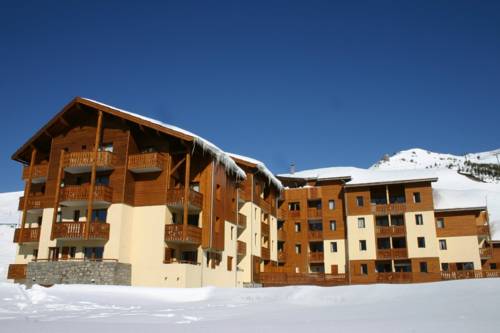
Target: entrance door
pixel 53 253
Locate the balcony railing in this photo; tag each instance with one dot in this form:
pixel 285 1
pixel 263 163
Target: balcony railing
pixel 29 235
pixel 392 253
pixel 39 174
pixel 387 209
pixel 315 235
pixel 175 199
pixel 265 253
pixel 242 248
pixel 264 228
pixel 175 233
pixel 82 161
pixel 142 163
pixel 320 279
pixel 281 234
pixel 264 205
pixel 486 252
pixel 458 275
pixel 17 271
pixel 242 221
pixel 281 256
pixel 79 193
pixel 77 230
pixel 35 202
pixel 316 257
pixel 294 213
pixel 393 230
pixel 483 230
pixel 313 212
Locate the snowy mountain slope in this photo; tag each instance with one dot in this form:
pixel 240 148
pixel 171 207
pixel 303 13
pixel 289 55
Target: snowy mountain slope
pixel 9 202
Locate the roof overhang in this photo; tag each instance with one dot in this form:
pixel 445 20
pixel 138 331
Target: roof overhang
pixel 460 209
pixel 393 182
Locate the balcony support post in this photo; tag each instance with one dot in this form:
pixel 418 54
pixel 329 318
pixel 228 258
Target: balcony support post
pixel 27 194
pixel 57 195
pixel 93 174
pixel 187 176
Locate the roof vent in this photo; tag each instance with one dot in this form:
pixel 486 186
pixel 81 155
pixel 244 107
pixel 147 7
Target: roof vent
pixel 292 168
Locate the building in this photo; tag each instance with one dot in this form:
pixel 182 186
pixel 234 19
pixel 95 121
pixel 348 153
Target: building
pixel 112 197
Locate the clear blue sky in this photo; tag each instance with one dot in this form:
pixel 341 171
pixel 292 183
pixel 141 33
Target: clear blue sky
pixel 315 82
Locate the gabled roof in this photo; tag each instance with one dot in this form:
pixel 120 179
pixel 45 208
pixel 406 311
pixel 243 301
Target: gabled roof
pixel 218 154
pixel 260 166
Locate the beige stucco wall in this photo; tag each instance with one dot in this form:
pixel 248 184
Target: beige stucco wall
pixel 244 266
pixel 334 258
pixel 356 234
pixel 273 237
pixel 427 230
pixel 460 249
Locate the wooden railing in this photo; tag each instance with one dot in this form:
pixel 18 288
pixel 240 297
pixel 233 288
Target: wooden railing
pixel 174 233
pixel 293 213
pixel 486 252
pixel 483 230
pixel 458 275
pixel 387 209
pixel 281 234
pixel 17 271
pixel 149 161
pixel 242 221
pixel 264 228
pixel 175 198
pixel 241 248
pixel 28 235
pixel 264 205
pixel 77 230
pixel 392 230
pixel 265 253
pixel 392 253
pixel 395 277
pixel 316 256
pixel 81 193
pixel 320 279
pixel 314 212
pixel 315 235
pixel 86 159
pixel 281 256
pixel 39 171
pixel 35 202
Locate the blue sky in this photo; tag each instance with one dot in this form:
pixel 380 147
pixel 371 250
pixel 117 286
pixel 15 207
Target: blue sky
pixel 318 83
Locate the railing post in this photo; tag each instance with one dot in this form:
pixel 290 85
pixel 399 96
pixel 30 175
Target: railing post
pixel 27 194
pixel 93 174
pixel 186 193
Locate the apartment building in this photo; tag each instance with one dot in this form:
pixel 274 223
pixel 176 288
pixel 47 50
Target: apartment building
pixel 112 197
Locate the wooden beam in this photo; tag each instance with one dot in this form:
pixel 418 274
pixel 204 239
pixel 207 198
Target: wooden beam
pixel 27 193
pixel 65 123
pixel 174 169
pixel 187 175
pixel 57 195
pixel 93 174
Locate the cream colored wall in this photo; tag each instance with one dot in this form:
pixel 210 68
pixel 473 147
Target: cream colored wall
pixel 334 258
pixel 244 266
pixel 273 237
pixel 120 218
pixel 45 242
pixel 427 230
pixel 460 249
pixel 356 234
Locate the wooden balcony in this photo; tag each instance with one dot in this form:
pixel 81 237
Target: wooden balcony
pixel 242 221
pixel 486 252
pixel 241 248
pixel 17 271
pixel 29 235
pixel 401 253
pixel 281 235
pixel 316 257
pixel 174 233
pixel 315 235
pixel 393 230
pixel 281 256
pixel 265 253
pixel 264 228
pixel 35 203
pixel 313 212
pixel 459 275
pixel 269 279
pixel 388 209
pixel 243 194
pixel 175 199
pixel 395 277
pixel 76 195
pixel 144 163
pixel 77 230
pixel 264 205
pixel 294 214
pixel 39 175
pixel 82 161
pixel 483 230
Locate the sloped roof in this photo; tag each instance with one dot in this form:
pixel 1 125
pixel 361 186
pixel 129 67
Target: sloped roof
pixel 261 168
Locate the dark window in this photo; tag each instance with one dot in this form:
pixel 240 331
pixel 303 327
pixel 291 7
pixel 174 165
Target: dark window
pixel 360 202
pixel 93 253
pixel 333 246
pixel 419 220
pixel 361 223
pixel 416 197
pixel 362 245
pixel 465 266
pixel 364 269
pixel 99 215
pixel 440 223
pixel 297 226
pixel 293 206
pixel 298 248
pixel 423 267
pixel 445 266
pixel 333 225
pixel 421 242
pixel 442 244
pixel 76 215
pixel 493 265
pixel 102 180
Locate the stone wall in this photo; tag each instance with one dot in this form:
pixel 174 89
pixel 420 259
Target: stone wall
pixel 74 272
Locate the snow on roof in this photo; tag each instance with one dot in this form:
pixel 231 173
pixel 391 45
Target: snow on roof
pixel 357 176
pixel 458 199
pixel 219 155
pixel 261 167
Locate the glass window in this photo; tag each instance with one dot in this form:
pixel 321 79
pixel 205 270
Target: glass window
pixel 292 206
pixel 333 225
pixel 440 223
pixel 423 267
pixel 360 201
pixel 442 244
pixel 364 269
pixel 297 226
pixel 361 223
pixel 419 220
pixel 298 248
pixel 333 247
pixel 421 242
pixel 331 204
pixel 445 266
pixel 362 245
pixel 416 197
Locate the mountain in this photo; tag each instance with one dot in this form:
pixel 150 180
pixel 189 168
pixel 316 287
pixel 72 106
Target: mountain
pixel 9 202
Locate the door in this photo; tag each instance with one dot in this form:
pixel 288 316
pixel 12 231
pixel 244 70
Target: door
pixel 53 253
pixel 335 269
pixel 65 253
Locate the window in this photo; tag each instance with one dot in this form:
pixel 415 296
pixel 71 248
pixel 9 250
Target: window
pixel 298 248
pixel 102 180
pixel 84 147
pixel 229 263
pixel 419 220
pixel 333 225
pixel 423 267
pixel 361 223
pixel 360 201
pixel 364 269
pixel 442 244
pixel 99 215
pixel 93 253
pixel 445 267
pixel 293 206
pixel 76 215
pixel 465 266
pixel 440 223
pixel 421 242
pixel 333 247
pixel 232 231
pixel 72 252
pixel 297 226
pixel 331 204
pixel 416 197
pixel 35 255
pixel 107 147
pixel 493 265
pixel 362 245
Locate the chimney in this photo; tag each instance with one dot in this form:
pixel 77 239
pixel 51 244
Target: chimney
pixel 292 168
